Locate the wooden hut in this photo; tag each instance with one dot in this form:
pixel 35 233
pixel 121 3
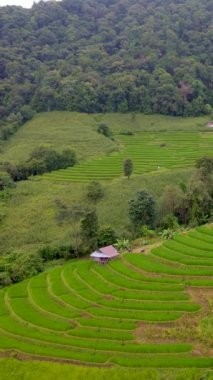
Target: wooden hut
pixel 104 254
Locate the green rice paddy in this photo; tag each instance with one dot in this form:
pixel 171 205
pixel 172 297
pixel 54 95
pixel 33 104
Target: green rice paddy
pixel 155 151
pixel 88 313
pixel 153 142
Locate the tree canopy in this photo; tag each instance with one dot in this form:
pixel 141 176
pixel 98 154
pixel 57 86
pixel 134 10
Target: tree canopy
pixel 142 210
pixel 128 167
pixel 152 56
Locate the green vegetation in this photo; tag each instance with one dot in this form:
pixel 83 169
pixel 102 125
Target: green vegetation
pixel 40 161
pixel 180 151
pixel 140 74
pixel 46 371
pixel 91 313
pixel 105 56
pixel 128 167
pixel 142 210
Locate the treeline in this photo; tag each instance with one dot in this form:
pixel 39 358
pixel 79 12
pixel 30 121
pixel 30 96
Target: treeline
pixel 41 160
pixel 152 56
pixel 188 204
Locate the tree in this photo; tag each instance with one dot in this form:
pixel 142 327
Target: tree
pixel 104 130
pixel 89 229
pixel 26 265
pixel 142 210
pixel 152 65
pixel 72 215
pixel 205 166
pixel 171 204
pixel 106 236
pixel 95 192
pixel 200 202
pixel 128 167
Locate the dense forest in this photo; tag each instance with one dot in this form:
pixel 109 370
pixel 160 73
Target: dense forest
pixel 152 56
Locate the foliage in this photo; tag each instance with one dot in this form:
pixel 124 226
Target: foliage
pixel 123 244
pixel 5 279
pixel 127 57
pixel 168 234
pixel 147 232
pixel 190 203
pixel 64 251
pixel 128 167
pixel 89 229
pixel 142 210
pixel 205 164
pixel 104 130
pixel 169 221
pixel 26 266
pixel 5 181
pixel 41 160
pixel 106 235
pixel 73 215
pixel 95 191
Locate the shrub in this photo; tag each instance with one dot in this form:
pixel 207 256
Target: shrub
pixel 26 265
pixel 106 236
pixel 168 234
pixel 95 191
pixel 41 160
pixel 5 181
pixel 104 130
pixel 64 251
pixel 123 244
pixel 5 279
pixel 142 210
pixel 169 221
pixel 147 232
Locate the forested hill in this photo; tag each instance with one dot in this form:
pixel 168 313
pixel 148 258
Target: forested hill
pixel 106 55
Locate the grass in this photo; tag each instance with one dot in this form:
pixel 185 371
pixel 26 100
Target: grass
pixel 93 314
pixel 159 362
pixel 34 370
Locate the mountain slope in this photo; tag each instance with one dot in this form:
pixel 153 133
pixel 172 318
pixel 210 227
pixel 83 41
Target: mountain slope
pixel 106 55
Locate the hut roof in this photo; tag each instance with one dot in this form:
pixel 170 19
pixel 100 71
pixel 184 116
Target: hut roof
pixel 98 255
pixel 110 251
pixel 107 252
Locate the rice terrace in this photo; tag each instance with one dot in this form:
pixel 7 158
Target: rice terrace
pixel 154 143
pixel 88 313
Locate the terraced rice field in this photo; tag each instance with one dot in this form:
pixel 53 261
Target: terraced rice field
pixel 148 151
pixel 89 313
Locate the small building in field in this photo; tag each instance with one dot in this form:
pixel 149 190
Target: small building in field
pixel 210 124
pixel 104 254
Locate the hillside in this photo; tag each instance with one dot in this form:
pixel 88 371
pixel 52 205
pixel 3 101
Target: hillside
pixel 140 310
pixel 60 130
pixel 106 56
pixel 30 209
